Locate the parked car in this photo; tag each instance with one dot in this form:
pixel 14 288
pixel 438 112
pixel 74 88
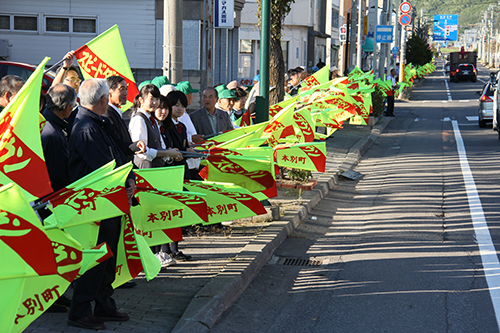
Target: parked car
pixel 24 71
pixel 485 108
pixel 466 72
pixel 447 67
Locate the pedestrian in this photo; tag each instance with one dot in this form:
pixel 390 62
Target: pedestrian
pixel 117 97
pixel 91 147
pixel 61 101
pixel 144 127
pixel 227 98
pixel 175 136
pixel 334 72
pixel 68 73
pixel 239 105
pixel 390 95
pixel 294 82
pixel 209 120
pixel 9 87
pixel 192 136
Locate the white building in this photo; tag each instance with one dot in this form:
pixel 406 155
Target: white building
pixel 305 40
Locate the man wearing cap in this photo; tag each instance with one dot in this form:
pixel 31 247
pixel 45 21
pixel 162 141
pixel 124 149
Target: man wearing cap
pixel 334 72
pixel 210 120
pixel 294 82
pixel 226 98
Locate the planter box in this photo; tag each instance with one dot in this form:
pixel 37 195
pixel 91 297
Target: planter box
pixel 291 184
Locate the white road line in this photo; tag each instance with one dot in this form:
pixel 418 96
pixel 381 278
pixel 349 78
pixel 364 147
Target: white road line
pixel 482 80
pixel 491 265
pixel 447 90
pixel 464 101
pixel 472 118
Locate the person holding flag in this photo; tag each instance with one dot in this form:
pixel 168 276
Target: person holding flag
pixel 209 120
pixel 390 96
pixel 174 134
pixel 9 87
pixel 144 126
pixel 90 147
pixel 294 83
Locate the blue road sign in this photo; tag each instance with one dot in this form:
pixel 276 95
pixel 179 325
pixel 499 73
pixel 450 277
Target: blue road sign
pixel 383 33
pixel 395 50
pixel 445 27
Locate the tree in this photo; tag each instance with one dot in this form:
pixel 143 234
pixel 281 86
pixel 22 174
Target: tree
pixel 279 10
pixel 418 51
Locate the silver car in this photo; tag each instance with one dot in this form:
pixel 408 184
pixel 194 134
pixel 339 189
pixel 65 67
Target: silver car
pixel 485 109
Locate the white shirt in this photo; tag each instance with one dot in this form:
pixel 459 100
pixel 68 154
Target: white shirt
pixel 139 131
pixel 193 163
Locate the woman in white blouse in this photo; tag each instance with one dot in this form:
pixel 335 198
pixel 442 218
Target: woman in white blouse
pixel 143 126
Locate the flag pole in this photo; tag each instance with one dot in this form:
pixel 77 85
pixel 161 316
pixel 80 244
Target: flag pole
pixel 54 66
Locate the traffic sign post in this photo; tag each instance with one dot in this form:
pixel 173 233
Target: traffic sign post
pixel 445 27
pixel 383 33
pixel 404 19
pixel 405 7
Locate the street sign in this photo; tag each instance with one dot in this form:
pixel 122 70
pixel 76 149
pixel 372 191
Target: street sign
pixel 383 33
pixel 445 27
pixel 405 7
pixel 395 50
pixel 224 14
pixel 404 19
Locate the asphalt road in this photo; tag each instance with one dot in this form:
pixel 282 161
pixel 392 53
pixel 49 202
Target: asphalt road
pixel 397 249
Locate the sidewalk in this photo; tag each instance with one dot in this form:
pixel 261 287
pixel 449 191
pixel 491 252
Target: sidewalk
pixel 191 296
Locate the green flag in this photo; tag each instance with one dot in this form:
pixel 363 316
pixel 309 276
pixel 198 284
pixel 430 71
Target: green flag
pixel 100 198
pixel 21 154
pixel 307 156
pixel 167 178
pixel 226 201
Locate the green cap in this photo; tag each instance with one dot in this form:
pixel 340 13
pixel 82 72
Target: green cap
pixel 160 81
pixel 143 83
pixel 223 92
pixel 186 87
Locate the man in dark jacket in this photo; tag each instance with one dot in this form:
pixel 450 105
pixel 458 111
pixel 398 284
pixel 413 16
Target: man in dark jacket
pixel 61 102
pixel 118 97
pixel 90 147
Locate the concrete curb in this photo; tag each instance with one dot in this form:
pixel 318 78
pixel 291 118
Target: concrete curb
pixel 218 295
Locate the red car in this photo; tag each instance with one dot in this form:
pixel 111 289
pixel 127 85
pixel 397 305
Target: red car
pixel 24 71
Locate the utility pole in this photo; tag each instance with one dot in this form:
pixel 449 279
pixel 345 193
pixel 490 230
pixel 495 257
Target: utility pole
pixel 172 39
pixel 262 101
pixel 490 44
pixel 352 30
pixel 360 26
pixel 383 46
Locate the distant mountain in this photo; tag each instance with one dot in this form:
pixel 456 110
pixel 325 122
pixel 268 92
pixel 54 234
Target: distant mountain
pixel 469 11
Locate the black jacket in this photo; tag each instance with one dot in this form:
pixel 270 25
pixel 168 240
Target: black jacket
pixel 174 139
pixel 55 149
pixel 120 133
pixel 91 145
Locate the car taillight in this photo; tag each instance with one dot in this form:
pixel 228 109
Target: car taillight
pixel 456 70
pixel 485 98
pixel 473 70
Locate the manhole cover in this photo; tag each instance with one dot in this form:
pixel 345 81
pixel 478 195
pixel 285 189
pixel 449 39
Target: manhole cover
pixel 287 261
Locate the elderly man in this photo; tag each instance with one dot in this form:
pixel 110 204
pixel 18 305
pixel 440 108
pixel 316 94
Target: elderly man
pixel 209 120
pixel 9 87
pixel 227 98
pixel 61 102
pixel 294 84
pixel 90 147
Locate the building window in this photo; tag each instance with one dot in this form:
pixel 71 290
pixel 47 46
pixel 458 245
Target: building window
pixel 4 22
pixel 246 46
pixel 84 25
pixel 57 24
pixel 335 18
pixel 284 49
pixel 26 23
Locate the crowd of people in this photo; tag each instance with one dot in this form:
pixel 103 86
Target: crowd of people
pixel 85 129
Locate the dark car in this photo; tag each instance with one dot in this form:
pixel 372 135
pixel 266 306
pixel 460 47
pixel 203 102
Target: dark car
pixel 466 72
pixel 485 108
pixel 24 71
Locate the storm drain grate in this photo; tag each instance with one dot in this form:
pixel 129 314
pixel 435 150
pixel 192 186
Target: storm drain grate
pixel 299 262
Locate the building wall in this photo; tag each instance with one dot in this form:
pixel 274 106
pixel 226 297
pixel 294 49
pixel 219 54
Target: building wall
pixel 136 24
